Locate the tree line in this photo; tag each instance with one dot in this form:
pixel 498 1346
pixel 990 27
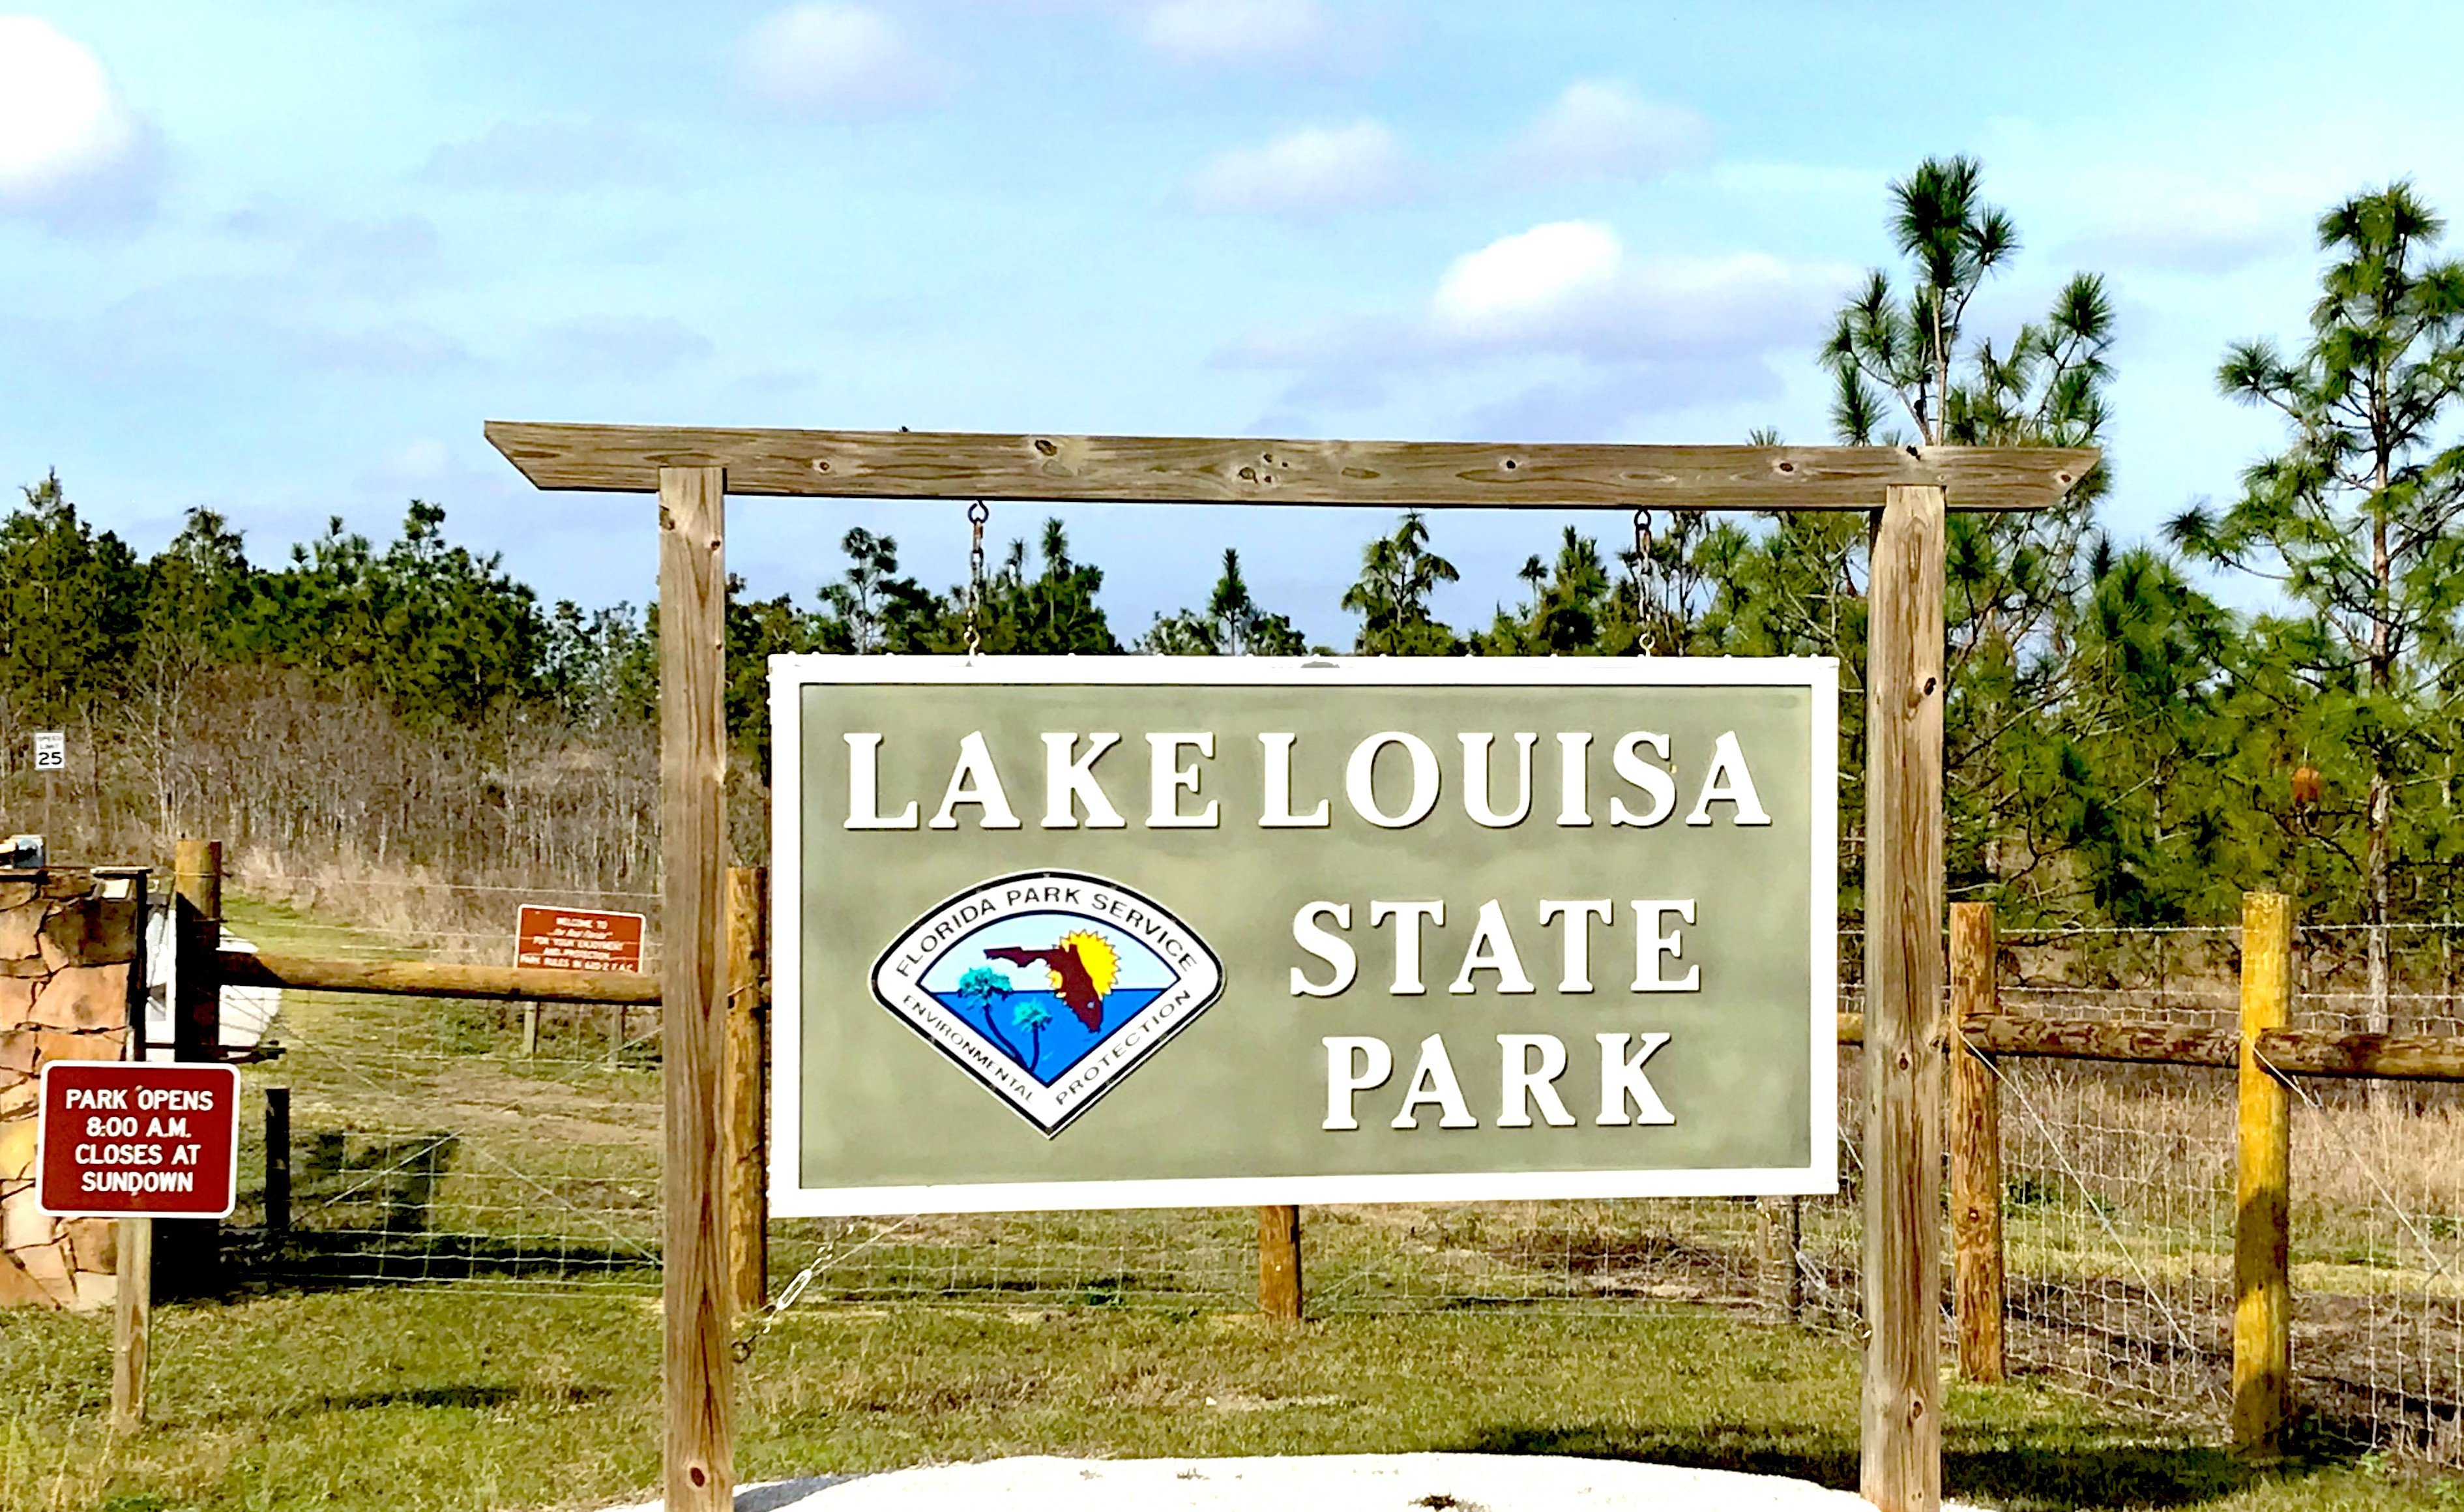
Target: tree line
pixel 2121 746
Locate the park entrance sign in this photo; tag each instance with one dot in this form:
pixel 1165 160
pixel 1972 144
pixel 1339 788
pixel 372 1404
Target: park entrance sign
pixel 1907 491
pixel 1065 933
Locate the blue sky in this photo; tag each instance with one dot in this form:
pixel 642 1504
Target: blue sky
pixel 283 260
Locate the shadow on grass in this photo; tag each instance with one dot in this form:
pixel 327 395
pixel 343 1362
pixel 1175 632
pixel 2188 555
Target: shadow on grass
pixel 462 1398
pixel 2048 1477
pixel 341 1260
pixel 469 1398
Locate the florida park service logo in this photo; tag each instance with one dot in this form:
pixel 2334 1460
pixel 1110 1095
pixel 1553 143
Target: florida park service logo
pixel 1048 987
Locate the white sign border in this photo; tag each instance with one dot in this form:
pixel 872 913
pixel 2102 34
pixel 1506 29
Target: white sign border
pixel 1049 1109
pixel 134 1068
pixel 641 946
pixel 789 675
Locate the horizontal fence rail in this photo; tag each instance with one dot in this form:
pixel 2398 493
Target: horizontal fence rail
pixel 509 984
pixel 2357 1053
pixel 2293 1051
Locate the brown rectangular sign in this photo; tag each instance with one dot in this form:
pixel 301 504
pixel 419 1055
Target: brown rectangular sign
pixel 121 1139
pixel 578 939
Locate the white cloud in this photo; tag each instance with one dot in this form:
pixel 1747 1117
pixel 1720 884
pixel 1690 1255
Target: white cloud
pixel 836 59
pixel 1530 273
pixel 1602 129
pixel 1619 335
pixel 1570 288
pixel 72 153
pixel 1315 172
pixel 1235 30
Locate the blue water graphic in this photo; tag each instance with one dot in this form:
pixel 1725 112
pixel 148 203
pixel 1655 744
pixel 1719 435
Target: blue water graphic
pixel 1061 1042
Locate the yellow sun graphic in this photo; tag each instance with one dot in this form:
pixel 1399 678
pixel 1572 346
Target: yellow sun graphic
pixel 1096 954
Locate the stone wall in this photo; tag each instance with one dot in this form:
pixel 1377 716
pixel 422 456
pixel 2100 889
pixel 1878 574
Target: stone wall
pixel 66 950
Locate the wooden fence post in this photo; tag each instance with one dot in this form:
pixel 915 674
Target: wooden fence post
pixel 748 1062
pixel 197 924
pixel 190 1250
pixel 1899 1424
pixel 2262 1374
pixel 1779 1268
pixel 131 1323
pixel 277 1164
pixel 1975 1149
pixel 697 1386
pixel 1279 1262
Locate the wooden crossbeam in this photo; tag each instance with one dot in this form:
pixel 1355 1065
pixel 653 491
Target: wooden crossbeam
pixel 437 979
pixel 1380 474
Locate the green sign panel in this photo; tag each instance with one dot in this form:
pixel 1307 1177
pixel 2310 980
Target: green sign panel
pixel 1162 931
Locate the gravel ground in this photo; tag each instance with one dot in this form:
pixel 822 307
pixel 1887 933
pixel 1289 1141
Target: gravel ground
pixel 1302 1483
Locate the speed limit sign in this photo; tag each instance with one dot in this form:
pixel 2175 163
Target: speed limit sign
pixel 51 750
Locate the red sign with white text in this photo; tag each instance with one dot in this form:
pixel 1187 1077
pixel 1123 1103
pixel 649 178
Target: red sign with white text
pixel 148 1140
pixel 578 939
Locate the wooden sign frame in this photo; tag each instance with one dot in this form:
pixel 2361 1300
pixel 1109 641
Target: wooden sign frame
pixel 1905 491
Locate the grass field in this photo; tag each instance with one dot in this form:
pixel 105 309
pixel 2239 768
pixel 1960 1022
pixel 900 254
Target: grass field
pixel 395 1400
pixel 430 1149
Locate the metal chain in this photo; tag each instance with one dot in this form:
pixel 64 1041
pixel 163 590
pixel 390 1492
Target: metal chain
pixel 976 515
pixel 1641 549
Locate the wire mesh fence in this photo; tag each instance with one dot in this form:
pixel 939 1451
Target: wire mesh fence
pixel 512 1145
pixel 2118 1201
pixel 2378 1241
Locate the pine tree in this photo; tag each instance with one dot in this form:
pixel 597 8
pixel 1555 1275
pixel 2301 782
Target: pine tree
pixel 871 608
pixel 70 603
pixel 1232 624
pixel 2356 520
pixel 2015 582
pixel 1570 609
pixel 1398 574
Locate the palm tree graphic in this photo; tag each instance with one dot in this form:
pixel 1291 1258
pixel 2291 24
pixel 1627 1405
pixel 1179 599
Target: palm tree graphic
pixel 985 990
pixel 1031 1016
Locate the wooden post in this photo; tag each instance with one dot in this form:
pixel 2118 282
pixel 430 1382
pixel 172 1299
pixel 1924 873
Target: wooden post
pixel 1796 1260
pixel 1901 1426
pixel 529 1030
pixel 1279 1262
pixel 1976 1151
pixel 197 923
pixel 615 1035
pixel 1779 1242
pixel 277 1163
pixel 131 1323
pixel 700 1450
pixel 748 1060
pixel 191 1248
pixel 2262 1371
